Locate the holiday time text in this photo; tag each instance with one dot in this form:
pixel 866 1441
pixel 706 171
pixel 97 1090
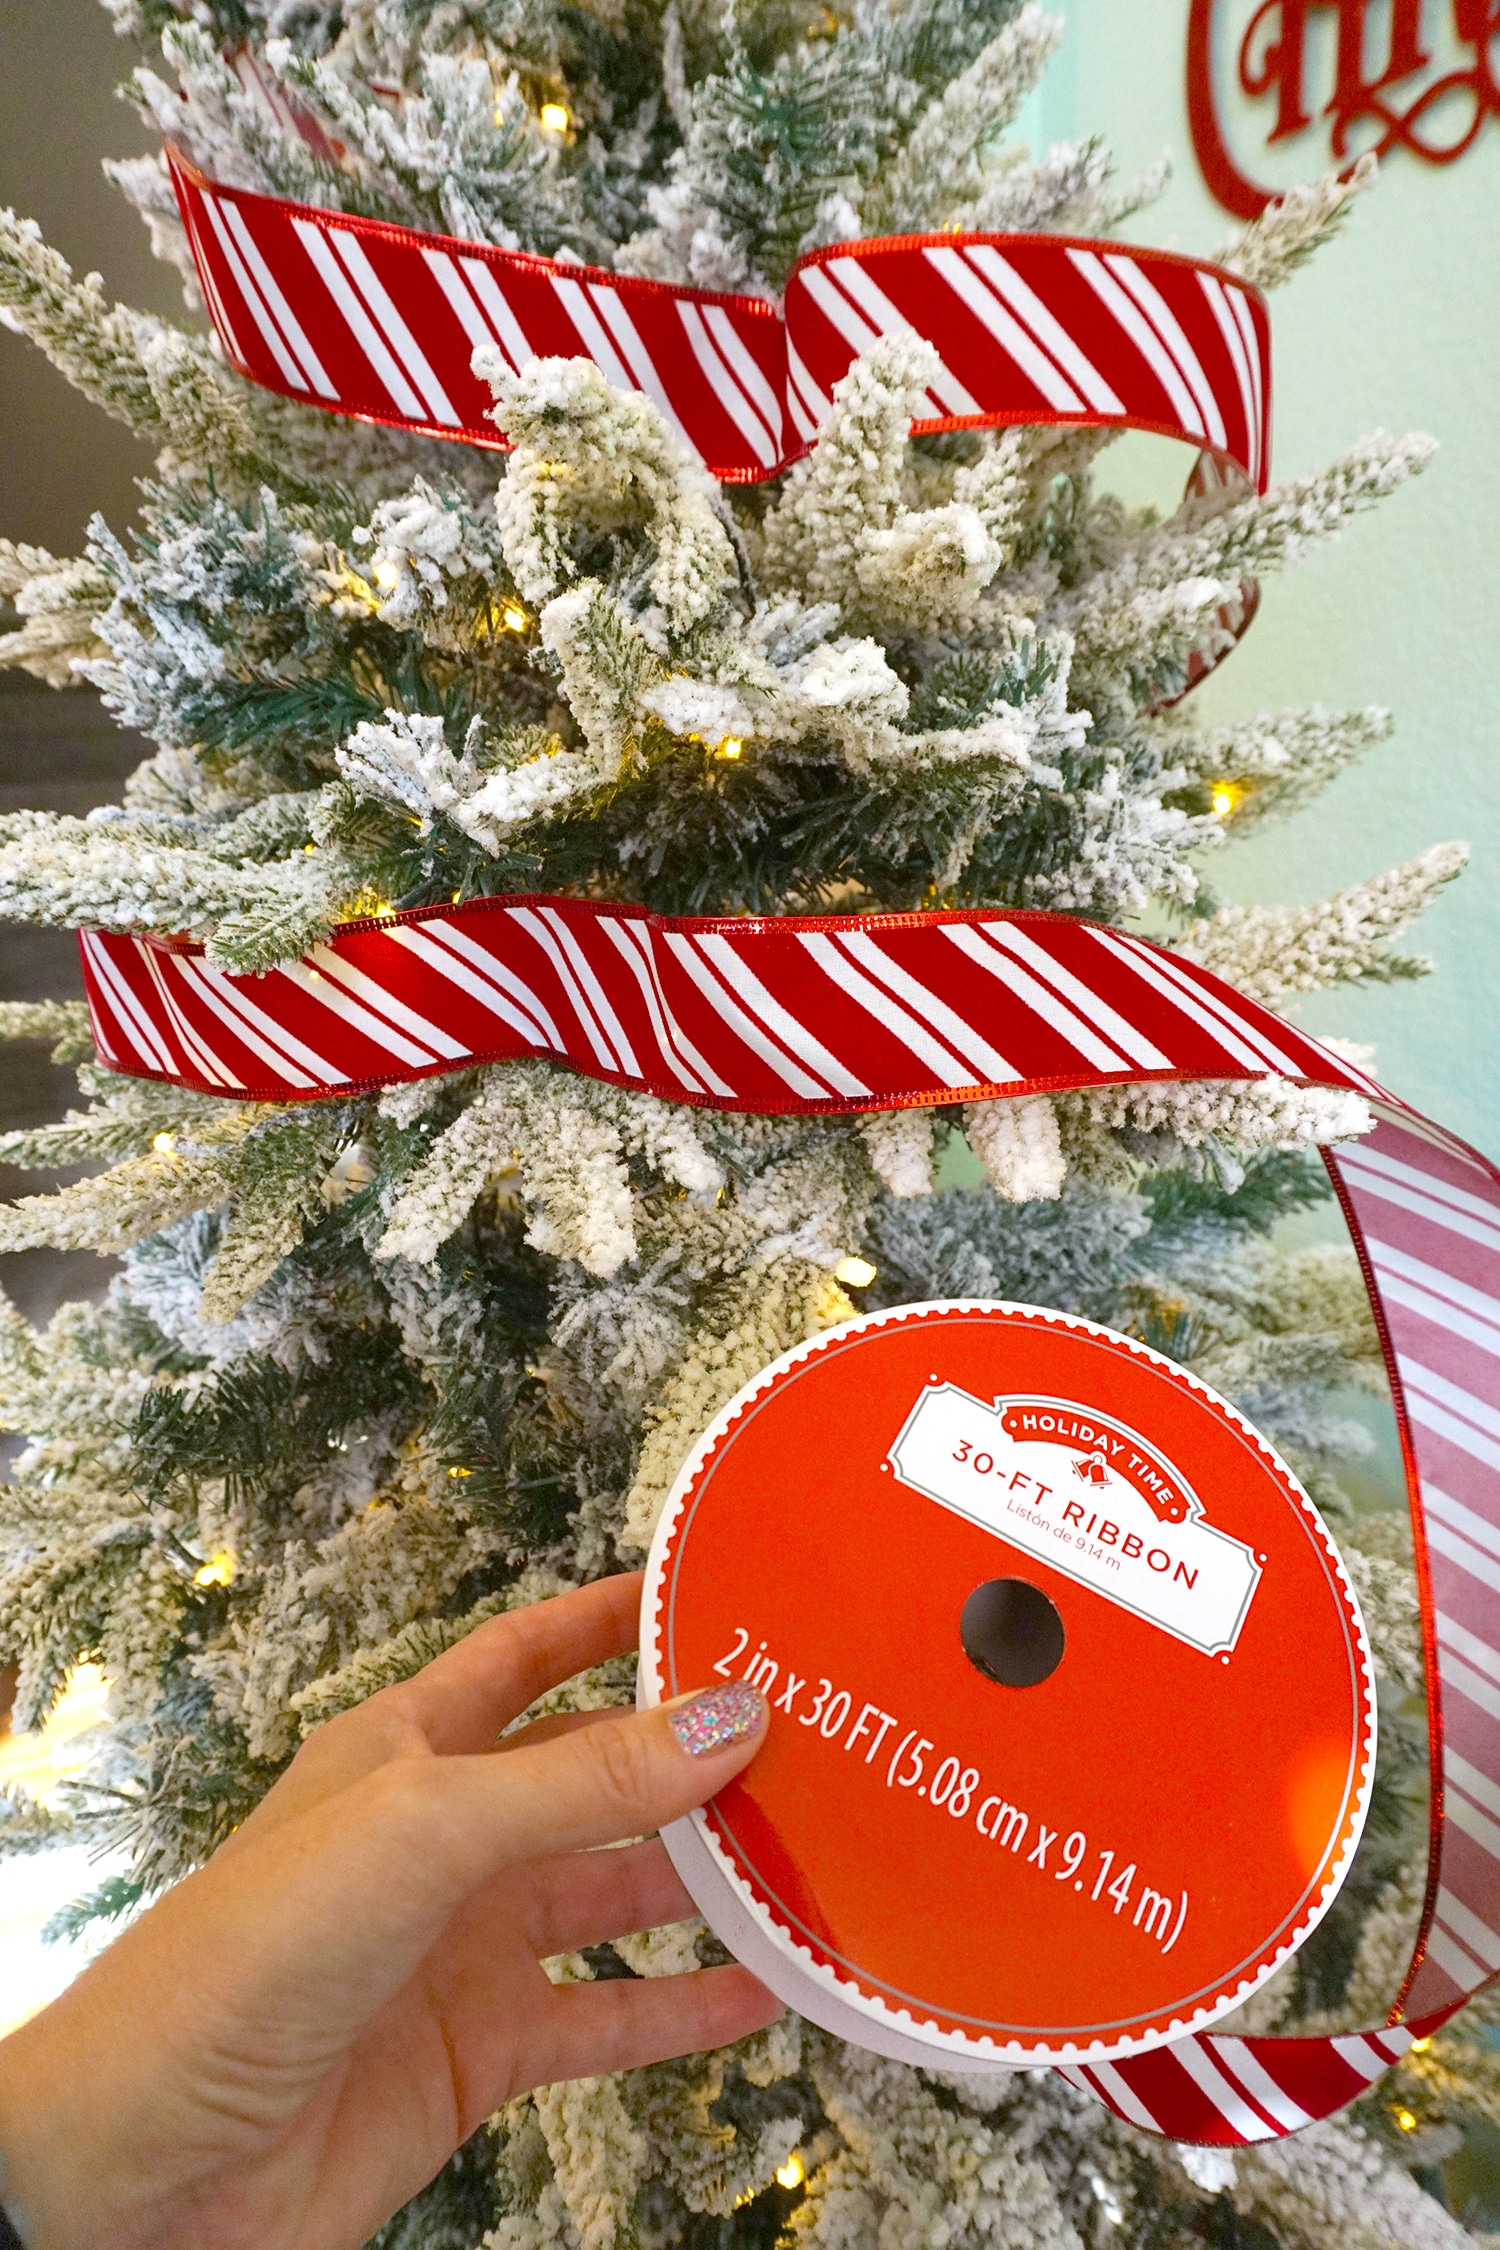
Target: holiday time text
pixel 1090 1497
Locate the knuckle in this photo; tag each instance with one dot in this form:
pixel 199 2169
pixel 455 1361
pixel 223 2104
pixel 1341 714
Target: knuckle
pixel 513 1662
pixel 622 1755
pixel 327 1736
pixel 401 1792
pixel 372 1722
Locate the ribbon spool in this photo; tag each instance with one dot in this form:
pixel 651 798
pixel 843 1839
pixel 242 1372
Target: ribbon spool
pixel 1072 1715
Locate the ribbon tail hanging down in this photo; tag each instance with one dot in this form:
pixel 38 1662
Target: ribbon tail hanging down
pixel 1424 1211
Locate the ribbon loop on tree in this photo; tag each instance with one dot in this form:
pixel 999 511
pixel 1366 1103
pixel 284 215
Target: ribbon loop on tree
pixel 382 322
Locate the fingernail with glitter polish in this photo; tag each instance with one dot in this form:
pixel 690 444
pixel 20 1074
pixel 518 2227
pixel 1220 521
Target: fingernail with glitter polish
pixel 717 1716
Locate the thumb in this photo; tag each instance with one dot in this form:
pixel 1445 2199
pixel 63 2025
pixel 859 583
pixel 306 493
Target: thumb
pixel 622 1777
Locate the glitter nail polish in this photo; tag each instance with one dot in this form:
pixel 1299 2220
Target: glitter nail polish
pixel 717 1716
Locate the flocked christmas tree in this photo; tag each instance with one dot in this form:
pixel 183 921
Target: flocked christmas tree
pixel 378 1368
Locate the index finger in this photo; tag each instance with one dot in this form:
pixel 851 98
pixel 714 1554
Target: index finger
pixel 463 1699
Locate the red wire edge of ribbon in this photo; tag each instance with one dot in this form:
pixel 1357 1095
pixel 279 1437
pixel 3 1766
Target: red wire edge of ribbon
pixel 380 322
pixel 849 1013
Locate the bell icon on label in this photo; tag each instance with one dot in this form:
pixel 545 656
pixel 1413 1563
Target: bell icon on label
pixel 1091 1470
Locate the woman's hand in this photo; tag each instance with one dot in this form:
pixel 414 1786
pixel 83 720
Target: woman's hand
pixel 291 2043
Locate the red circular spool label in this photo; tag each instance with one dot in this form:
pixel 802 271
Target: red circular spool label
pixel 1088 1865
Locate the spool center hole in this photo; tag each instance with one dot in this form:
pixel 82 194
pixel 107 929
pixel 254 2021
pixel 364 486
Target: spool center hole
pixel 1011 1632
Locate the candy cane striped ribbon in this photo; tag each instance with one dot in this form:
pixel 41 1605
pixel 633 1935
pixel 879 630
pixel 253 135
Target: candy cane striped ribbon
pixel 1424 1211
pixel 382 322
pixel 840 1012
pixel 868 1012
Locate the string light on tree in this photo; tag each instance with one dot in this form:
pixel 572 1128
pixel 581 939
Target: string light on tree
pixel 555 118
pixel 59 1750
pixel 855 1273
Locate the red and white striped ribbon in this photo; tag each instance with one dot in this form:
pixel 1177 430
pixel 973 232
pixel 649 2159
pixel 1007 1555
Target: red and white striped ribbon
pixel 866 1012
pixel 836 1012
pixel 381 322
pixel 1424 1211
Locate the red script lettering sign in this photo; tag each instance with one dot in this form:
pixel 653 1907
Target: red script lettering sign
pixel 1409 77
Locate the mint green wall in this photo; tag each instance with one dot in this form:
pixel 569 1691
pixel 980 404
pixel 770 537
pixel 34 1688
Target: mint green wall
pixel 1396 327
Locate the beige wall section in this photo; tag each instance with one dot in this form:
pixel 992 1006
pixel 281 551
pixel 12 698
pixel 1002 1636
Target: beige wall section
pixel 60 63
pixel 1395 327
pixel 60 459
